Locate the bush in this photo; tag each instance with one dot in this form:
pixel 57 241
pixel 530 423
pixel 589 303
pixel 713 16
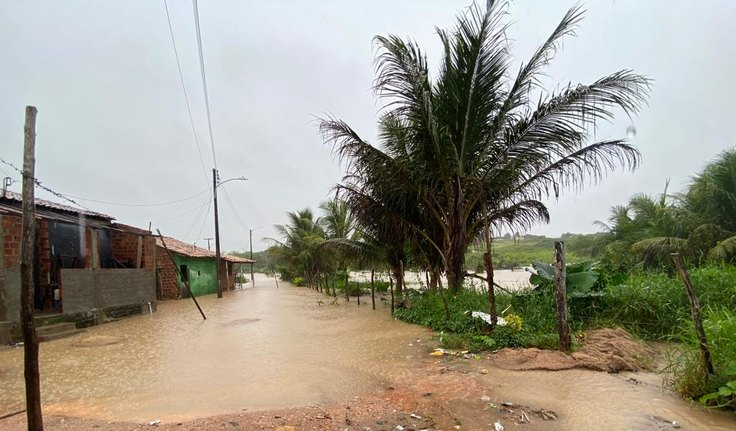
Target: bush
pixel 688 374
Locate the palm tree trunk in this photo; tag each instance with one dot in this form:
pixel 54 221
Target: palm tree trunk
pixel 457 246
pixel 347 286
pixel 334 285
pixel 373 289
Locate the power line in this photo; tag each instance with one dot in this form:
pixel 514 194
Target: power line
pixel 184 90
pixel 204 79
pixel 199 207
pixel 204 221
pixel 142 205
pixel 196 219
pixel 41 186
pixel 230 203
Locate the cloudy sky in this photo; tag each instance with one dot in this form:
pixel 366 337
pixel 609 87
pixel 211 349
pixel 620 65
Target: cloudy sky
pixel 113 124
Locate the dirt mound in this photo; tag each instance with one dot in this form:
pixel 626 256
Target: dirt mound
pixel 610 350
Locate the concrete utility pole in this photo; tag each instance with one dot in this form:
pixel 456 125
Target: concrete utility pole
pixel 217 235
pixel 28 242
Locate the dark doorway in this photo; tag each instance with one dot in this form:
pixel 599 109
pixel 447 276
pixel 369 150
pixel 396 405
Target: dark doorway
pixel 184 270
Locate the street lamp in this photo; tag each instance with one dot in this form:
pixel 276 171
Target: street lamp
pixel 215 185
pixel 250 234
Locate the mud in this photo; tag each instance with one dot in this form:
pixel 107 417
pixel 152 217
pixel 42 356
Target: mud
pixel 610 350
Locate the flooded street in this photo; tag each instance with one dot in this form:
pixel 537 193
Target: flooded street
pixel 265 348
pixel 259 348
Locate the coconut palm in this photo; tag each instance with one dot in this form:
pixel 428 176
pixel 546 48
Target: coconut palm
pixel 470 147
pixel 298 250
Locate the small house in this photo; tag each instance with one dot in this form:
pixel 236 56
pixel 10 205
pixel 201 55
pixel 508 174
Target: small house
pixel 196 266
pixel 85 264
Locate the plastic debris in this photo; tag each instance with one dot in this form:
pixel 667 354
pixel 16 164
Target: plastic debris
pixel 497 426
pixel 415 416
pixel 437 352
pixel 507 404
pixel 155 422
pixel 399 428
pixel 485 399
pixel 500 321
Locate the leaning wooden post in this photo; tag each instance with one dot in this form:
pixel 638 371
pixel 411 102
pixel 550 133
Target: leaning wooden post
pixel 28 241
pixel 373 289
pixel 563 326
pixel 276 277
pixel 186 282
pixel 695 311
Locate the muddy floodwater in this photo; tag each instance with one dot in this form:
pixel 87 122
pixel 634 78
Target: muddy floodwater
pixel 259 348
pixel 264 348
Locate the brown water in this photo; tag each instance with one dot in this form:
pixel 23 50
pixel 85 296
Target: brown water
pixel 269 348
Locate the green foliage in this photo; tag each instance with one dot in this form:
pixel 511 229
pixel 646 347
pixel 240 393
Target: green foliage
pixel 655 305
pixel 462 332
pixel 298 281
pixel 580 278
pixel 511 253
pixel 689 376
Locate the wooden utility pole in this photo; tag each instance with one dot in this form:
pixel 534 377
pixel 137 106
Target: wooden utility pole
pixel 373 288
pixel 28 243
pixel 178 272
pixel 217 234
pixel 563 326
pixel 695 311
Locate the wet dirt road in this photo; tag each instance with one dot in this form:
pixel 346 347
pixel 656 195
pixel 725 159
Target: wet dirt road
pixel 262 349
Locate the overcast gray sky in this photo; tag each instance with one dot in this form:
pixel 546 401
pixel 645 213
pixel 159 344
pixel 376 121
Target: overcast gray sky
pixel 113 124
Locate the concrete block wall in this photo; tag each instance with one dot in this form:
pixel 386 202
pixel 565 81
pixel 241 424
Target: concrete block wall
pixel 104 288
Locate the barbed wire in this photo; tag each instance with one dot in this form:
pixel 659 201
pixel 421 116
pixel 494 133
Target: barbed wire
pixel 41 186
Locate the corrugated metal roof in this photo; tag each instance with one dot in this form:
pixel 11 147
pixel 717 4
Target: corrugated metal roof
pixel 16 197
pixel 182 248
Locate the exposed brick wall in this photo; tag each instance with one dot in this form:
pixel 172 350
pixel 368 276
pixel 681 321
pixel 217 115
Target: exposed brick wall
pixel 125 248
pixel 11 241
pixel 167 274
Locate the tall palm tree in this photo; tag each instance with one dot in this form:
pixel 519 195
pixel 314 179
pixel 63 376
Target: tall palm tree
pixel 470 147
pixel 339 223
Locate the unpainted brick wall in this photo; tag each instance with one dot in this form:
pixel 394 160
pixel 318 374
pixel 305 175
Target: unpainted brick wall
pixel 125 248
pixel 11 241
pixel 167 274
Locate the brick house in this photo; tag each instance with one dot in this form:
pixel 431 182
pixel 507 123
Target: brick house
pixel 196 265
pixel 84 262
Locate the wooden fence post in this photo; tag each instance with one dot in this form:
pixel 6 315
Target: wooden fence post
pixel 695 311
pixel 28 241
pixel 563 326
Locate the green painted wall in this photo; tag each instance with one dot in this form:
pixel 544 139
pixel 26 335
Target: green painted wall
pixel 201 274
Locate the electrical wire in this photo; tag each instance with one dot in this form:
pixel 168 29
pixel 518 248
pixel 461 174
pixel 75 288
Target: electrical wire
pixel 142 205
pixel 184 90
pixel 230 203
pixel 199 207
pixel 204 79
pixel 204 220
